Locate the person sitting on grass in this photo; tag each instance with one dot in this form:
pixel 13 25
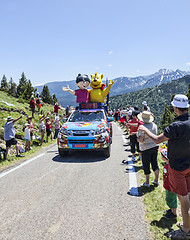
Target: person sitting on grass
pixel 171 198
pixel 9 135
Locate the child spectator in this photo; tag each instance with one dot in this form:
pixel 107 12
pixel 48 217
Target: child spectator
pixel 133 125
pixel 48 129
pixel 56 109
pixel 57 126
pixel 171 198
pixel 31 127
pixel 27 136
pixel 32 106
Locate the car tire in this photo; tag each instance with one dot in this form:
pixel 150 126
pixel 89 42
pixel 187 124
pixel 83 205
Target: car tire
pixel 63 152
pixel 107 151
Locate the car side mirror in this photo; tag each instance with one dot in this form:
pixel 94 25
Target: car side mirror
pixel 64 120
pixel 110 119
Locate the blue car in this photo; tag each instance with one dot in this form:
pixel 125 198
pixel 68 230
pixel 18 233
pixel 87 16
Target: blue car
pixel 88 130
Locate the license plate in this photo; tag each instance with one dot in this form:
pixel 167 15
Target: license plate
pixel 82 145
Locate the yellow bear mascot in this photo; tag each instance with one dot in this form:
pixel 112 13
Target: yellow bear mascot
pixel 98 93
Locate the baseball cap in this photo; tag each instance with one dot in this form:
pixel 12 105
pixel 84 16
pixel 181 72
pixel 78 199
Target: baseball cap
pixel 26 124
pixel 180 101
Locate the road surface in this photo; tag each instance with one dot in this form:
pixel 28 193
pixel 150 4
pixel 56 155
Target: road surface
pixel 83 196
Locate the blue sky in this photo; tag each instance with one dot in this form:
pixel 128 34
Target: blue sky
pixel 55 40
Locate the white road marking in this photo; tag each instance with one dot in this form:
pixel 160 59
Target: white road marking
pixel 21 165
pixel 132 174
pixel 132 178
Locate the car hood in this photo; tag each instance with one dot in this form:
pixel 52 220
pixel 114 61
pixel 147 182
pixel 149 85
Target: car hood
pixel 84 125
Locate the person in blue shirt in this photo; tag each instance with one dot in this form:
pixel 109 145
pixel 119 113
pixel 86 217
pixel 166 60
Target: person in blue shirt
pixel 9 135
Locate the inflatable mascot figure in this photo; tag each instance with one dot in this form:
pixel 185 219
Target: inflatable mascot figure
pixel 82 93
pixel 98 93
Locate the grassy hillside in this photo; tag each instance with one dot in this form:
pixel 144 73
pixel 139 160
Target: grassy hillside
pixel 19 107
pixel 156 97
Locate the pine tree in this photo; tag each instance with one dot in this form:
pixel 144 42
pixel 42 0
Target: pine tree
pixel 45 94
pixel 28 91
pixel 12 87
pixel 4 84
pixel 22 86
pixel 54 98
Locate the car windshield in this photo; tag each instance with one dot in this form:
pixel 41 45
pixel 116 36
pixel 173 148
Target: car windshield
pixel 86 116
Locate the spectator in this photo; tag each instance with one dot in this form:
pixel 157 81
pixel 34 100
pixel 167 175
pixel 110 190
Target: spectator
pixel 57 126
pixel 171 198
pixel 42 127
pixel 56 109
pixel 32 106
pixel 9 135
pixel 48 129
pixel 133 124
pixel 38 101
pixel 31 127
pixel 145 106
pixel 149 149
pixel 27 136
pixel 178 136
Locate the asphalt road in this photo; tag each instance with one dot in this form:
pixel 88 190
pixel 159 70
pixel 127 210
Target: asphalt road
pixel 83 196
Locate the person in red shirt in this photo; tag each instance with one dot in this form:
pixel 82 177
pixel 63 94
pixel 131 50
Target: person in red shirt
pixel 133 125
pixel 32 106
pixel 56 109
pixel 48 129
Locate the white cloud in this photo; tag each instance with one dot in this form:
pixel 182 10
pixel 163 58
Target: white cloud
pixel 109 65
pixel 188 63
pixel 110 52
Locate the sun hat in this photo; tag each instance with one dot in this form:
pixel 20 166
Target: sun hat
pixel 144 103
pixel 26 124
pixel 146 117
pixel 9 118
pixel 180 101
pixel 163 152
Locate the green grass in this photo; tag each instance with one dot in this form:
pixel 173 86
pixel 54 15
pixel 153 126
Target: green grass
pixel 15 112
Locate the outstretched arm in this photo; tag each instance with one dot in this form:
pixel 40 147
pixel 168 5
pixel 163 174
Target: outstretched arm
pixel 106 90
pixel 67 89
pixel 156 139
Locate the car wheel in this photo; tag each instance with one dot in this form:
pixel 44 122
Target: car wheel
pixel 63 152
pixel 107 151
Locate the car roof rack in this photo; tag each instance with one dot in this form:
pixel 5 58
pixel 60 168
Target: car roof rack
pixel 91 106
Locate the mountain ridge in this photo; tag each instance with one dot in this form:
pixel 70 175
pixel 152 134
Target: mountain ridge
pixel 122 84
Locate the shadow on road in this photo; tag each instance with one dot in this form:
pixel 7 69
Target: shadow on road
pixel 80 157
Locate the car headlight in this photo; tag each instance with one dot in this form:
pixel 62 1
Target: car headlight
pixel 100 130
pixel 64 131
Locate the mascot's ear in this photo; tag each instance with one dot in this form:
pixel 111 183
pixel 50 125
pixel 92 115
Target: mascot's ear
pixel 92 76
pixel 101 75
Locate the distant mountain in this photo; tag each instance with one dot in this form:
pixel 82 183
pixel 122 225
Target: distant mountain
pixel 156 96
pixel 122 84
